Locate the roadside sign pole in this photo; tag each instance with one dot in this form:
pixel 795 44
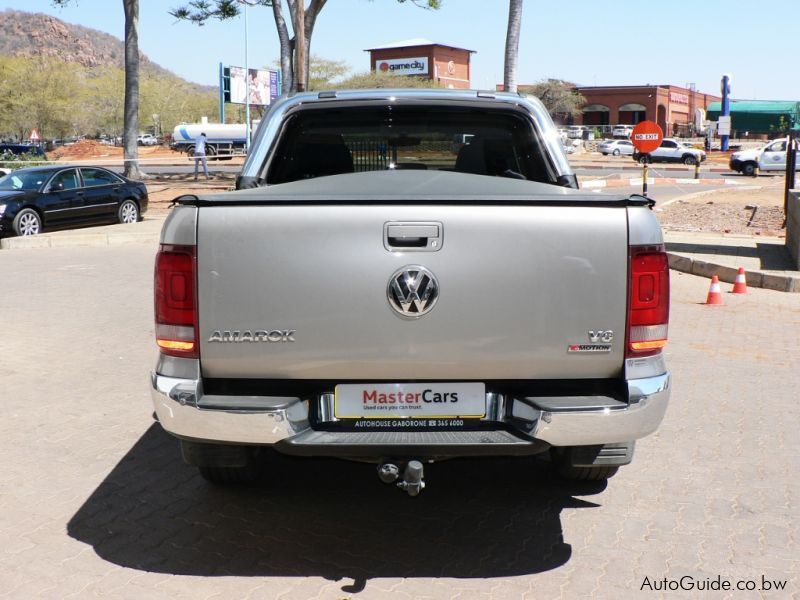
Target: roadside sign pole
pixel 646 137
pixel 725 111
pixel 791 164
pixel 644 180
pixel 221 93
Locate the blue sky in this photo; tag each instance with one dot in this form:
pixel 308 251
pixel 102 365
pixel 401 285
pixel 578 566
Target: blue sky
pixel 590 42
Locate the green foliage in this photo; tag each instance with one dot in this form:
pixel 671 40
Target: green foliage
pixel 558 96
pixel 200 11
pixel 65 99
pixel 781 126
pixel 375 79
pixel 323 73
pixel 12 161
pixel 427 4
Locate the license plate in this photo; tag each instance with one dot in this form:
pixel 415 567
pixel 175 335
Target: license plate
pixel 392 400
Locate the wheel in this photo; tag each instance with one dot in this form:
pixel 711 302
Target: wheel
pixel 616 152
pixel 571 473
pixel 562 465
pixel 643 159
pixel 211 152
pixel 689 160
pixel 223 464
pixel 128 212
pixel 749 169
pixel 190 151
pixel 27 222
pixel 231 475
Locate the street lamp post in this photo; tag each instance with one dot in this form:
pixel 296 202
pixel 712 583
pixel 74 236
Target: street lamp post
pixel 246 3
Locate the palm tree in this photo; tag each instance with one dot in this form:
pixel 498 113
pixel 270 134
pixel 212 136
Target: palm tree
pixel 512 45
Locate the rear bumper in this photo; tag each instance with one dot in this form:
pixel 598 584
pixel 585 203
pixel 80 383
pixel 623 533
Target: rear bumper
pixel 514 426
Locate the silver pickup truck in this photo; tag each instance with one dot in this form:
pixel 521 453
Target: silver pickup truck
pixel 407 276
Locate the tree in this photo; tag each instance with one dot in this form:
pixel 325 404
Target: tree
pixel 323 73
pixel 512 45
pixel 131 119
pixel 558 96
pixel 131 110
pixel 377 79
pixel 294 56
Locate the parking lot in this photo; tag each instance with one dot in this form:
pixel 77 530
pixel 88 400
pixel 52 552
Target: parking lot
pixel 95 501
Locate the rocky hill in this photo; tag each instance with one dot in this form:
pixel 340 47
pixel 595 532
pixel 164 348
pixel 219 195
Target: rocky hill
pixel 25 34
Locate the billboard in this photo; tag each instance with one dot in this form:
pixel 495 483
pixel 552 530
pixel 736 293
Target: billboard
pixel 403 66
pixel 258 86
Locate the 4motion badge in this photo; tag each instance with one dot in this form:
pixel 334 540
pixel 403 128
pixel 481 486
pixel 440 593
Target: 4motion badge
pixel 599 341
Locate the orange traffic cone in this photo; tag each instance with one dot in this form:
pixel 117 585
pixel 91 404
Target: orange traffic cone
pixel 714 293
pixel 740 283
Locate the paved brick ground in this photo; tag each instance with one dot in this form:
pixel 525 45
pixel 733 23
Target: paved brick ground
pixel 94 501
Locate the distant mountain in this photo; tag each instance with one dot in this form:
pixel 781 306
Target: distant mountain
pixel 34 35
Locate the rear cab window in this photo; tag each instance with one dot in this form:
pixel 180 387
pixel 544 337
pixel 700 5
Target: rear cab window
pixel 496 142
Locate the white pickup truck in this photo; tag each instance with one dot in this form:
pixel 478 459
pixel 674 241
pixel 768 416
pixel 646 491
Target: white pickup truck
pixel 407 276
pixel 771 157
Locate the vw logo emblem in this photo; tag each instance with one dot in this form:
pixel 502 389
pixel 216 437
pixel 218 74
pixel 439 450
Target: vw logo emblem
pixel 412 291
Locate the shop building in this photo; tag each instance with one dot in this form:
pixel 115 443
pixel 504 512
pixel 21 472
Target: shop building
pixel 447 65
pixel 677 110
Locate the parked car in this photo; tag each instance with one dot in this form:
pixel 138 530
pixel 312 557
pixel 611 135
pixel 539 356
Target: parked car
pixel 147 139
pixel 771 157
pixel 671 150
pixel 575 132
pixel 621 131
pixel 20 149
pixel 39 198
pixel 615 147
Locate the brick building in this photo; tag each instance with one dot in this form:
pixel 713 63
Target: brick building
pixel 447 65
pixel 674 108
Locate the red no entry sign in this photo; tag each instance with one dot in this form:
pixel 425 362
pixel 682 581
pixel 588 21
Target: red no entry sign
pixel 647 136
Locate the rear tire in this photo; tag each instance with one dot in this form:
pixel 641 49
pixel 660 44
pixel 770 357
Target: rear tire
pixel 616 152
pixel 561 459
pixel 128 212
pixel 224 476
pixel 689 160
pixel 224 464
pixel 570 473
pixel 27 222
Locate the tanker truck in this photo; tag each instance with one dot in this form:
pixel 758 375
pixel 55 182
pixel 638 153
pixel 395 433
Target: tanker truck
pixel 223 140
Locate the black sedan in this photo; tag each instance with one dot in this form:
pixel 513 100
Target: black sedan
pixel 39 198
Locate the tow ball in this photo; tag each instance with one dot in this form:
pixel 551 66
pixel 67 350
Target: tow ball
pixel 412 481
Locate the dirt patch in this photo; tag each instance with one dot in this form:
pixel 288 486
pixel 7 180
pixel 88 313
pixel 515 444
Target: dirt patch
pixel 163 190
pixel 83 150
pixel 729 210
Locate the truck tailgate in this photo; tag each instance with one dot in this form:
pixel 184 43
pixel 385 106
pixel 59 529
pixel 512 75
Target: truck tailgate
pixel 520 290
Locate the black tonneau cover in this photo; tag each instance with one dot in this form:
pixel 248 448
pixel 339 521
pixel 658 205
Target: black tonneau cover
pixel 412 186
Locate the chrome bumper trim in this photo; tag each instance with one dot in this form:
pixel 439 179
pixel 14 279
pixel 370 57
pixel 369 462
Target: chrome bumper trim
pixel 647 403
pixel 184 411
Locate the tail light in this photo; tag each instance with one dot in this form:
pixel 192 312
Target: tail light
pixel 648 303
pixel 176 301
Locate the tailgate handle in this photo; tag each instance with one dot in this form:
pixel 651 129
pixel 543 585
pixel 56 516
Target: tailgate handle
pixel 412 236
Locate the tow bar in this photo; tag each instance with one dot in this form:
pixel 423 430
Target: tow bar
pixel 411 483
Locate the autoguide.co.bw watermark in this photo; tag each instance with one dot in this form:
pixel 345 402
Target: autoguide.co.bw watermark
pixel 711 584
